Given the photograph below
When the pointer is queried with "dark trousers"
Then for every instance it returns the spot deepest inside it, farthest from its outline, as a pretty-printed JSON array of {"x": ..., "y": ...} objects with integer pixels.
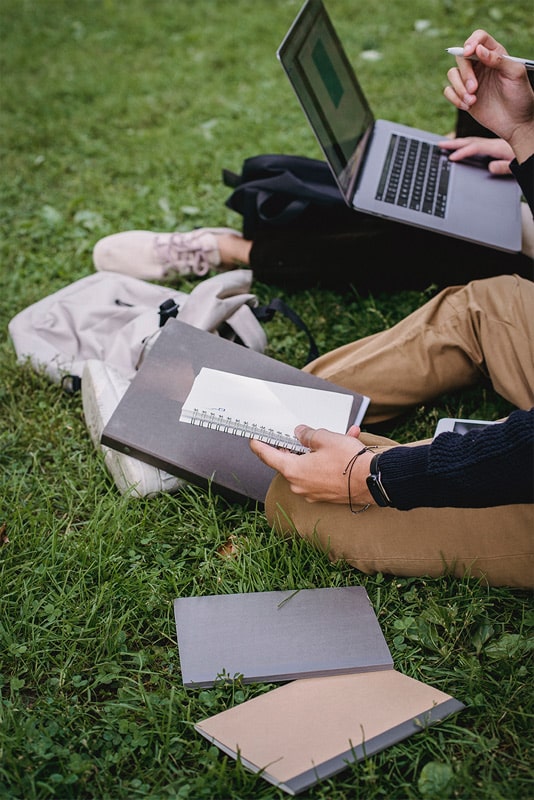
[{"x": 374, "y": 255}]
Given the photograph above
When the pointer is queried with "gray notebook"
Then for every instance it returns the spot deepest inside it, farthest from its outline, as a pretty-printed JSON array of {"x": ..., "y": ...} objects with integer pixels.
[
  {"x": 146, "y": 423},
  {"x": 307, "y": 730},
  {"x": 278, "y": 636}
]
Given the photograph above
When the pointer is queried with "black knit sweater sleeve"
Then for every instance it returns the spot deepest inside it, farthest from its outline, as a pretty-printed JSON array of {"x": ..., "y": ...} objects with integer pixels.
[
  {"x": 489, "y": 467},
  {"x": 524, "y": 175}
]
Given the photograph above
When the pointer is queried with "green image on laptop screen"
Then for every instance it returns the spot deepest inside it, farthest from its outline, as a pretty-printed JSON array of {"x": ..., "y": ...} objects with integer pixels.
[{"x": 328, "y": 74}]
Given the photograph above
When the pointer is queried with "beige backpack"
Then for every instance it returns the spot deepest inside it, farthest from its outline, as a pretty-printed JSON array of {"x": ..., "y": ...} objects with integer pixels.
[{"x": 93, "y": 334}]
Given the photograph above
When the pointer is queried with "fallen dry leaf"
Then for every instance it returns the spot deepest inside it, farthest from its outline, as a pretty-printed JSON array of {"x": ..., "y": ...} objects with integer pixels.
[
  {"x": 3, "y": 535},
  {"x": 229, "y": 549}
]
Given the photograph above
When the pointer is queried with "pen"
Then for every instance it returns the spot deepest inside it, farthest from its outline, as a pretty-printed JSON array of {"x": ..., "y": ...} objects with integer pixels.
[{"x": 459, "y": 51}]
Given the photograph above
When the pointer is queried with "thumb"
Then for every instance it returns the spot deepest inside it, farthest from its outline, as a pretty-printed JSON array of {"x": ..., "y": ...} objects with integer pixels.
[
  {"x": 354, "y": 431},
  {"x": 305, "y": 435},
  {"x": 317, "y": 438}
]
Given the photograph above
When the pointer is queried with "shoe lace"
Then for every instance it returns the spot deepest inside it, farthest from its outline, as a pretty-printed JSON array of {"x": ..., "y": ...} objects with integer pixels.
[{"x": 183, "y": 253}]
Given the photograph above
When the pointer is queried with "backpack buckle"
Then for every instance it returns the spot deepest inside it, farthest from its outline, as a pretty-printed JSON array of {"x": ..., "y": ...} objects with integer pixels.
[{"x": 167, "y": 309}]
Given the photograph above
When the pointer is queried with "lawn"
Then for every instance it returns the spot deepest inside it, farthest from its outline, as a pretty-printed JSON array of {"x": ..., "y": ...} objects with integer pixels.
[{"x": 118, "y": 115}]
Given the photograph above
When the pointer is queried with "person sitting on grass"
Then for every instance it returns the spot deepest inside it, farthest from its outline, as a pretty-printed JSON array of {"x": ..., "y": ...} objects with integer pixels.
[
  {"x": 331, "y": 247},
  {"x": 459, "y": 504}
]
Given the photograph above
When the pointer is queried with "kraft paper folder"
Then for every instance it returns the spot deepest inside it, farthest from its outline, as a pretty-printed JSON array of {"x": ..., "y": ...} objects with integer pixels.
[
  {"x": 311, "y": 729},
  {"x": 346, "y": 701}
]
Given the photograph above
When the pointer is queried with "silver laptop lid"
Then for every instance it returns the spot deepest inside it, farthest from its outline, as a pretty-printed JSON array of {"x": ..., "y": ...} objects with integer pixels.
[{"x": 328, "y": 91}]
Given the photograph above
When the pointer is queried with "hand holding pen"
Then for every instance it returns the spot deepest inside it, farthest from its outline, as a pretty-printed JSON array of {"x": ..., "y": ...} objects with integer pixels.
[
  {"x": 495, "y": 91},
  {"x": 459, "y": 51}
]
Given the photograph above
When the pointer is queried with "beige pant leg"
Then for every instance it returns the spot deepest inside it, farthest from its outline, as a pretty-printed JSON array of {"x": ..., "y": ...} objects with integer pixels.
[
  {"x": 467, "y": 333},
  {"x": 496, "y": 544},
  {"x": 485, "y": 329}
]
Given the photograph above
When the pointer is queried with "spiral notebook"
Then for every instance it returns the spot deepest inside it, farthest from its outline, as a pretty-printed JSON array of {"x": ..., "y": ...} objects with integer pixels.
[
  {"x": 146, "y": 423},
  {"x": 265, "y": 410}
]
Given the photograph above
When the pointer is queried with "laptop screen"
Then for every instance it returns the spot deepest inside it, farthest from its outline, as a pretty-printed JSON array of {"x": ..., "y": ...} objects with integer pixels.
[{"x": 325, "y": 84}]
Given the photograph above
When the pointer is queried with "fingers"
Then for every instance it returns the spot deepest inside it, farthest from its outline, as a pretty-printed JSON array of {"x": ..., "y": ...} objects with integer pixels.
[
  {"x": 488, "y": 51},
  {"x": 305, "y": 435},
  {"x": 452, "y": 144},
  {"x": 469, "y": 153},
  {"x": 489, "y": 47},
  {"x": 460, "y": 148},
  {"x": 315, "y": 438},
  {"x": 462, "y": 87},
  {"x": 319, "y": 475},
  {"x": 272, "y": 456},
  {"x": 278, "y": 458},
  {"x": 467, "y": 146},
  {"x": 463, "y": 78},
  {"x": 453, "y": 98},
  {"x": 499, "y": 167}
]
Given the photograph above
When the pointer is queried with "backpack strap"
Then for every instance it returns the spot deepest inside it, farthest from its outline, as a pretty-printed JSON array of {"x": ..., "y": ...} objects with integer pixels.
[{"x": 266, "y": 313}]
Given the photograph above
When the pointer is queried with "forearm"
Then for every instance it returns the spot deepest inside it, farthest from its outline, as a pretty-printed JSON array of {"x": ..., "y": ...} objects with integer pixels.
[
  {"x": 522, "y": 141},
  {"x": 492, "y": 467},
  {"x": 489, "y": 468}
]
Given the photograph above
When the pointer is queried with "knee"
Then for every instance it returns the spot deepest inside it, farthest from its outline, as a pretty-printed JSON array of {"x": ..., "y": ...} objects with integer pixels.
[{"x": 495, "y": 292}]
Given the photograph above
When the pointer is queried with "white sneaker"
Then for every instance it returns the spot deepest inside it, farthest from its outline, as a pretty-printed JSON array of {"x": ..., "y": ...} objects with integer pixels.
[
  {"x": 152, "y": 256},
  {"x": 102, "y": 388}
]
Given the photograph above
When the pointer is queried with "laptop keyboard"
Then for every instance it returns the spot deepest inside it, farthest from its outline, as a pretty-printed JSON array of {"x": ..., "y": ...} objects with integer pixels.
[{"x": 415, "y": 175}]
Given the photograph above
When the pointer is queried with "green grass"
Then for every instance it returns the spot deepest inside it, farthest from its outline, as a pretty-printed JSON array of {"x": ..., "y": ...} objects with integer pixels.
[{"x": 119, "y": 115}]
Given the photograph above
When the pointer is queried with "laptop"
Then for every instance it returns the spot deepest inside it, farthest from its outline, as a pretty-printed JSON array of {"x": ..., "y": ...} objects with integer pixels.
[{"x": 385, "y": 168}]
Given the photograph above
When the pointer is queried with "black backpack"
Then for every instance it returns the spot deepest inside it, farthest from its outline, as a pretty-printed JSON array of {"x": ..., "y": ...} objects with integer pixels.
[{"x": 280, "y": 190}]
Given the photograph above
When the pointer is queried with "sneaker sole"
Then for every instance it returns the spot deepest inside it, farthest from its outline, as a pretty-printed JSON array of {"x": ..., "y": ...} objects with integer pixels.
[{"x": 102, "y": 389}]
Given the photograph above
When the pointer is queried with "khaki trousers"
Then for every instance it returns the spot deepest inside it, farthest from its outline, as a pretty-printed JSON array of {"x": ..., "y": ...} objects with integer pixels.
[{"x": 463, "y": 335}]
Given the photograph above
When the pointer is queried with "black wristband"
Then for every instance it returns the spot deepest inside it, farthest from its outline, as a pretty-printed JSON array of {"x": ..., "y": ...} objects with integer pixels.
[{"x": 375, "y": 485}]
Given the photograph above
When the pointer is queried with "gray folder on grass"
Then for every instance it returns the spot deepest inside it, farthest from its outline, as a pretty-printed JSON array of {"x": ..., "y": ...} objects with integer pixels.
[{"x": 278, "y": 636}]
